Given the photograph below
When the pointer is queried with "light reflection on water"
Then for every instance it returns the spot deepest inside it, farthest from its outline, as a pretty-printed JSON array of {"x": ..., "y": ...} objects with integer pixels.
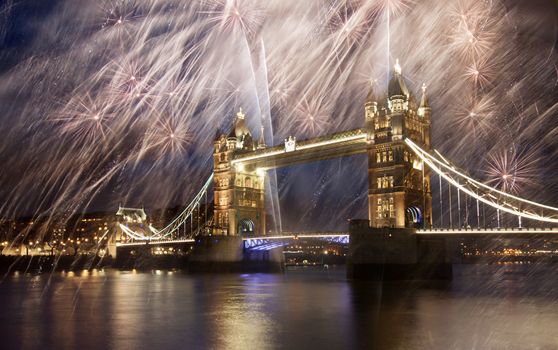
[{"x": 485, "y": 307}]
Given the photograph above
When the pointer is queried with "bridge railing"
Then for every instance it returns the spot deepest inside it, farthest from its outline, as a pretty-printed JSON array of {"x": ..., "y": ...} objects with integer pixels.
[
  {"x": 170, "y": 232},
  {"x": 493, "y": 197}
]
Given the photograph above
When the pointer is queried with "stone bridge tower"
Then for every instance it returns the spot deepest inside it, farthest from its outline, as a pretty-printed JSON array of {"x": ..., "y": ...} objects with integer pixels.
[
  {"x": 399, "y": 193},
  {"x": 238, "y": 190}
]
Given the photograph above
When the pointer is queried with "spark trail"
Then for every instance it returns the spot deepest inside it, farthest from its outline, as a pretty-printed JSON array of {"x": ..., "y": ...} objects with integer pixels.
[{"x": 132, "y": 92}]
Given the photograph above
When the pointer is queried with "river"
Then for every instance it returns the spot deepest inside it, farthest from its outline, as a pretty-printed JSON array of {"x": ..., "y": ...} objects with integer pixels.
[{"x": 484, "y": 307}]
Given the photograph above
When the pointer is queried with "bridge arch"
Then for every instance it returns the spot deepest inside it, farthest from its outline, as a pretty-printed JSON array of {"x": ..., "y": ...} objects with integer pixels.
[
  {"x": 414, "y": 216},
  {"x": 246, "y": 226}
]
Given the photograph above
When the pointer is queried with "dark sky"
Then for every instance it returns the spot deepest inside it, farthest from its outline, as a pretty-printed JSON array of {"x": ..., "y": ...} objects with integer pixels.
[{"x": 32, "y": 43}]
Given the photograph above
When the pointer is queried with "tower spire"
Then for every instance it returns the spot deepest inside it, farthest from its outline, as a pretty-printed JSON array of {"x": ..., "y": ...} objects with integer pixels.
[
  {"x": 424, "y": 108},
  {"x": 397, "y": 67},
  {"x": 240, "y": 115},
  {"x": 261, "y": 142},
  {"x": 397, "y": 87},
  {"x": 424, "y": 99}
]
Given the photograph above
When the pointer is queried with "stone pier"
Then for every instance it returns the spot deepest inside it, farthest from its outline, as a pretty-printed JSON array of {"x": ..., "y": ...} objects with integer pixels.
[
  {"x": 395, "y": 254},
  {"x": 227, "y": 254}
]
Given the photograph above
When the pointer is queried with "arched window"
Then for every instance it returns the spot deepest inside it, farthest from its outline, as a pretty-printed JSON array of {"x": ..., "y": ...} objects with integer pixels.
[
  {"x": 246, "y": 226},
  {"x": 248, "y": 182}
]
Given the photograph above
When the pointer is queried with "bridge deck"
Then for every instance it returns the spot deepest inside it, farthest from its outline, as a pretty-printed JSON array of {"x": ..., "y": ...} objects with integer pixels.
[
  {"x": 154, "y": 242},
  {"x": 336, "y": 145},
  {"x": 504, "y": 233},
  {"x": 343, "y": 237}
]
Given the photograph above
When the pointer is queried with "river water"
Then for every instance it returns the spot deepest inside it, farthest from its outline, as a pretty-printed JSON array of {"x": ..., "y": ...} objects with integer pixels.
[{"x": 484, "y": 307}]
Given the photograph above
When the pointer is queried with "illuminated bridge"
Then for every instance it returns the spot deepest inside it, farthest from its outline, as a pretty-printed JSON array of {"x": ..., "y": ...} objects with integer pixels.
[{"x": 401, "y": 164}]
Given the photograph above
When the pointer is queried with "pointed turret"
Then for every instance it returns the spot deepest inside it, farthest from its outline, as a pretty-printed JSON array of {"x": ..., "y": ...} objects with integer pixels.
[
  {"x": 424, "y": 99},
  {"x": 424, "y": 108},
  {"x": 371, "y": 97},
  {"x": 398, "y": 94},
  {"x": 261, "y": 142},
  {"x": 240, "y": 127},
  {"x": 371, "y": 104},
  {"x": 397, "y": 86}
]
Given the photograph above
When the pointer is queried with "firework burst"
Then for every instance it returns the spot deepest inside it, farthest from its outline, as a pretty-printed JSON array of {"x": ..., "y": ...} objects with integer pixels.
[
  {"x": 167, "y": 139},
  {"x": 245, "y": 16},
  {"x": 85, "y": 120},
  {"x": 347, "y": 24},
  {"x": 184, "y": 66},
  {"x": 393, "y": 7},
  {"x": 481, "y": 73},
  {"x": 475, "y": 31},
  {"x": 119, "y": 17},
  {"x": 476, "y": 117},
  {"x": 312, "y": 116},
  {"x": 512, "y": 170}
]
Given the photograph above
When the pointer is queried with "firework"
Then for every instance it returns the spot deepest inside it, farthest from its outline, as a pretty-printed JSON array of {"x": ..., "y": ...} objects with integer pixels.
[
  {"x": 481, "y": 74},
  {"x": 512, "y": 170},
  {"x": 168, "y": 138},
  {"x": 119, "y": 17},
  {"x": 235, "y": 15},
  {"x": 347, "y": 24},
  {"x": 156, "y": 80},
  {"x": 312, "y": 116},
  {"x": 84, "y": 120}
]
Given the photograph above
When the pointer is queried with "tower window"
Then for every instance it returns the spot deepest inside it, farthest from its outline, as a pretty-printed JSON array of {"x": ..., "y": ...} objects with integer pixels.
[{"x": 385, "y": 182}]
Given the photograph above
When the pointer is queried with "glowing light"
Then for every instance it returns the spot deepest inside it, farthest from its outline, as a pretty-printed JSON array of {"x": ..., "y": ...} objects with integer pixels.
[
  {"x": 506, "y": 207},
  {"x": 496, "y": 231},
  {"x": 397, "y": 67},
  {"x": 359, "y": 136},
  {"x": 511, "y": 170},
  {"x": 235, "y": 15},
  {"x": 198, "y": 61},
  {"x": 312, "y": 116}
]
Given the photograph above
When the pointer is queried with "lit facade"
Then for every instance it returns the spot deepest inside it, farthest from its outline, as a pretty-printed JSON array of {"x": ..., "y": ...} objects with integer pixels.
[
  {"x": 238, "y": 188},
  {"x": 399, "y": 192}
]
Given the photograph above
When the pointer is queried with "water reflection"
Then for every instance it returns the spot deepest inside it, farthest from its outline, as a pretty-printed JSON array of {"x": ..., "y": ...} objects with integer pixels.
[{"x": 492, "y": 307}]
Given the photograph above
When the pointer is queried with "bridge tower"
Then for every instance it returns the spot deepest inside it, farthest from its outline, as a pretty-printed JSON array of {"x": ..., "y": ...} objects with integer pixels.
[
  {"x": 399, "y": 192},
  {"x": 238, "y": 189}
]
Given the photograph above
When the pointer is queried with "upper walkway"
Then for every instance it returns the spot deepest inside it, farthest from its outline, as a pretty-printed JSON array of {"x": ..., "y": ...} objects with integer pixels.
[{"x": 293, "y": 152}]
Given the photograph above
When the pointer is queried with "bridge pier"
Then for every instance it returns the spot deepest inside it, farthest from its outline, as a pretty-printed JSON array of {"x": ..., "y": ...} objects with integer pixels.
[
  {"x": 227, "y": 254},
  {"x": 395, "y": 254}
]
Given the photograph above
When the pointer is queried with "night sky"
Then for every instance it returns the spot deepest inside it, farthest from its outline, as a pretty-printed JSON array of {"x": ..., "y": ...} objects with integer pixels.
[{"x": 65, "y": 60}]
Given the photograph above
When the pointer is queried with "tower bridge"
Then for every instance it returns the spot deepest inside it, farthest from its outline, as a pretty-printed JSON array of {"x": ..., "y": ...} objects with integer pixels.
[
  {"x": 398, "y": 183},
  {"x": 336, "y": 145},
  {"x": 396, "y": 139}
]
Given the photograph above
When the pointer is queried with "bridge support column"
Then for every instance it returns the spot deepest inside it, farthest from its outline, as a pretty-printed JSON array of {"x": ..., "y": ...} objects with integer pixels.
[
  {"x": 220, "y": 253},
  {"x": 395, "y": 254},
  {"x": 111, "y": 245}
]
